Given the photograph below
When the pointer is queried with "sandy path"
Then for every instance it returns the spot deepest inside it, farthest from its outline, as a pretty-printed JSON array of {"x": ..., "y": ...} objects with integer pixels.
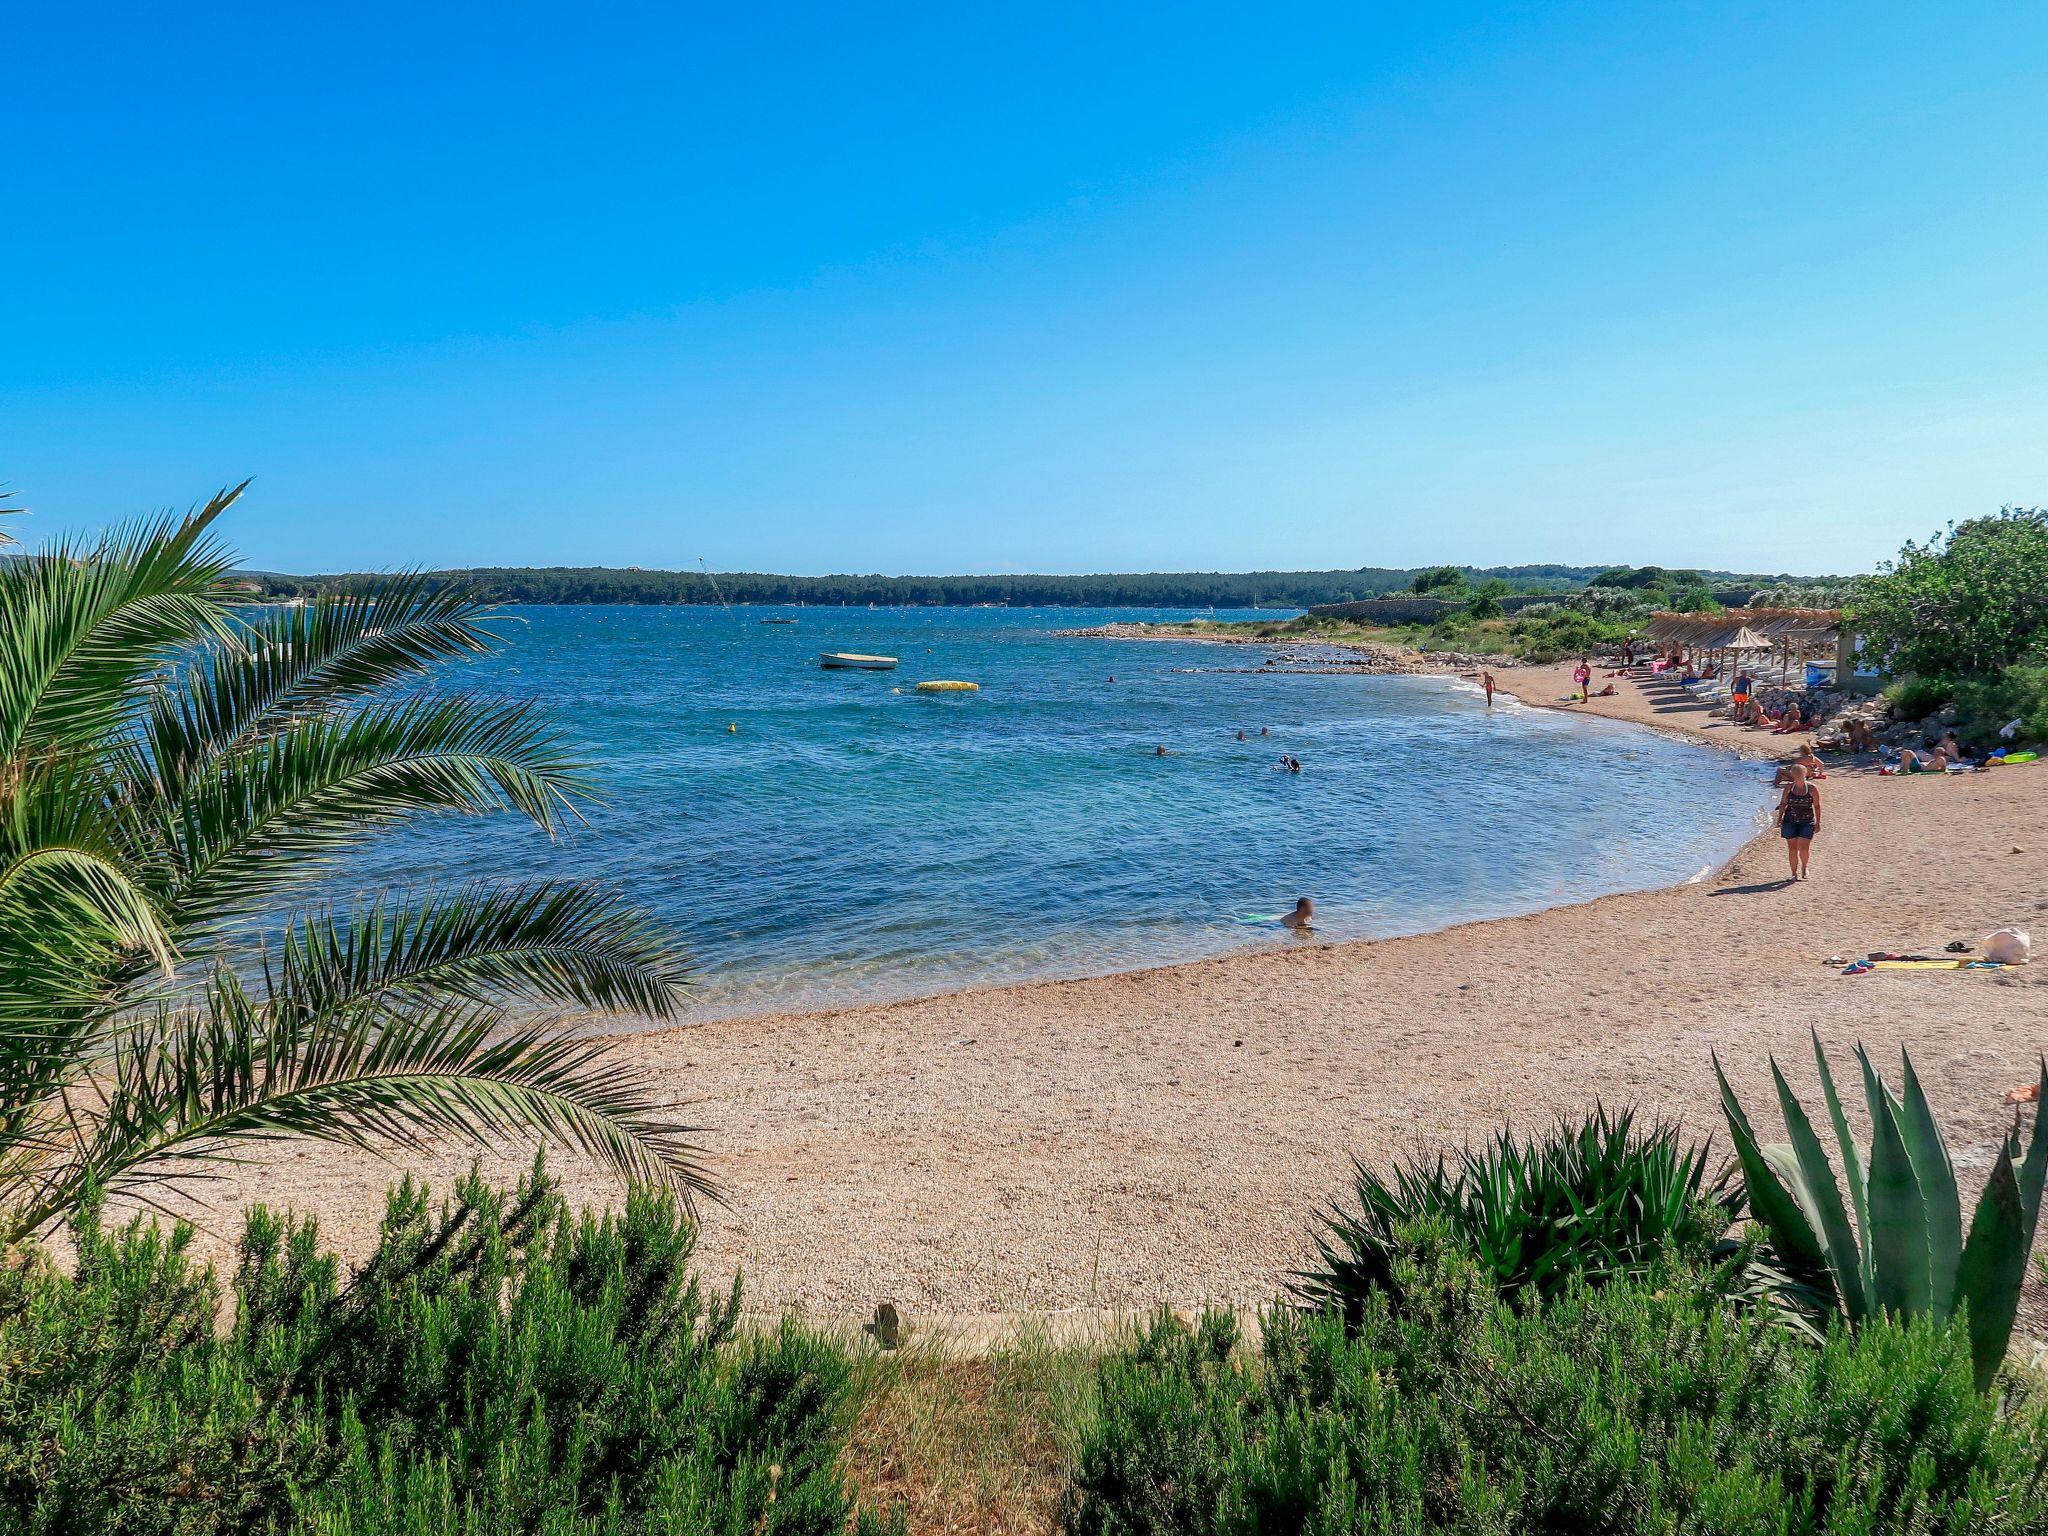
[{"x": 1160, "y": 1135}]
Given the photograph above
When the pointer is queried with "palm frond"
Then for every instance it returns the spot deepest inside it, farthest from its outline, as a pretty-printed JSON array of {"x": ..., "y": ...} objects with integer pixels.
[
  {"x": 80, "y": 628},
  {"x": 194, "y": 1086},
  {"x": 281, "y": 807},
  {"x": 309, "y": 657},
  {"x": 553, "y": 942}
]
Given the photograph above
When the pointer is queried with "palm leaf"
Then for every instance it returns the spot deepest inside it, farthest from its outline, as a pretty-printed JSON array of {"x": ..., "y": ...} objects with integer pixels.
[
  {"x": 279, "y": 808},
  {"x": 81, "y": 629},
  {"x": 193, "y": 1087},
  {"x": 309, "y": 657},
  {"x": 567, "y": 944}
]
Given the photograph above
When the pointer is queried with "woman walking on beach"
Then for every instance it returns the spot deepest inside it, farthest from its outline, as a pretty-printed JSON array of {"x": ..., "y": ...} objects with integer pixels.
[{"x": 1798, "y": 818}]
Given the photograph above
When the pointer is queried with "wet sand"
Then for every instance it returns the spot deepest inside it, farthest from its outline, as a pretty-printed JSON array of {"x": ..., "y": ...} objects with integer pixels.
[{"x": 1160, "y": 1136}]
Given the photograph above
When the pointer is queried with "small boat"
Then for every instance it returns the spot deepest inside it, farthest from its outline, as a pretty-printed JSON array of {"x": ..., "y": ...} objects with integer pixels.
[
  {"x": 778, "y": 621},
  {"x": 855, "y": 659},
  {"x": 948, "y": 685}
]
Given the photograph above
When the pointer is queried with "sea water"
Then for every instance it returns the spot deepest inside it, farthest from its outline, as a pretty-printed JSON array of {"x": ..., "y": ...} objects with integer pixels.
[{"x": 821, "y": 837}]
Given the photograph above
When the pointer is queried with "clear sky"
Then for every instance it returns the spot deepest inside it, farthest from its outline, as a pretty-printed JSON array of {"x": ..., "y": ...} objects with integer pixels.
[{"x": 1028, "y": 288}]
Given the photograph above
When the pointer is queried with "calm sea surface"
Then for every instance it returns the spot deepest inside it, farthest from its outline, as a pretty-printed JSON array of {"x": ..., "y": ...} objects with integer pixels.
[{"x": 852, "y": 841}]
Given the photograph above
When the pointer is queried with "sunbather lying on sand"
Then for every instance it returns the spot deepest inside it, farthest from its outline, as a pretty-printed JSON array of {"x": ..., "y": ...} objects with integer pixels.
[{"x": 1919, "y": 762}]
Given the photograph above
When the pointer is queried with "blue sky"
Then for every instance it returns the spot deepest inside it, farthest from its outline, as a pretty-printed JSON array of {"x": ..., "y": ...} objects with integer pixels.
[{"x": 1045, "y": 288}]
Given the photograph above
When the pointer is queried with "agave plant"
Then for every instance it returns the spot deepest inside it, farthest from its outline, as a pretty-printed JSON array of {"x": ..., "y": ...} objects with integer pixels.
[
  {"x": 1905, "y": 1253},
  {"x": 173, "y": 759},
  {"x": 1586, "y": 1201}
]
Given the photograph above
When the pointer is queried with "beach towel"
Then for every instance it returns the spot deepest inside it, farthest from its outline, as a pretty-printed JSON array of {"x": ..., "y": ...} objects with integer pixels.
[{"x": 1863, "y": 967}]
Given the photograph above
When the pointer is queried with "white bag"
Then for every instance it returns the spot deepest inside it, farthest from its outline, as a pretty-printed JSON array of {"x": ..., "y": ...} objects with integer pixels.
[{"x": 2007, "y": 944}]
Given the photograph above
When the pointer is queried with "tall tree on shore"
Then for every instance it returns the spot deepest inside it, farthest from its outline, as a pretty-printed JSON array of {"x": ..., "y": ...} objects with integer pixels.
[{"x": 173, "y": 759}]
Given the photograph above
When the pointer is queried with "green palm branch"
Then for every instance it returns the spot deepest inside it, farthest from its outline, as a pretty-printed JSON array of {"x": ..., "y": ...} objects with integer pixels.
[{"x": 172, "y": 760}]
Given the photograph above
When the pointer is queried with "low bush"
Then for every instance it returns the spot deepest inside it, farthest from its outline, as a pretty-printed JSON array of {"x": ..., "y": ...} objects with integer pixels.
[
  {"x": 1914, "y": 697},
  {"x": 1552, "y": 637},
  {"x": 2019, "y": 693},
  {"x": 497, "y": 1366},
  {"x": 1647, "y": 1405},
  {"x": 1591, "y": 1201}
]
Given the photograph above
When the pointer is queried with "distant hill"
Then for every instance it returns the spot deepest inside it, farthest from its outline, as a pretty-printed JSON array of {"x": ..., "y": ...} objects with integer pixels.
[{"x": 1186, "y": 589}]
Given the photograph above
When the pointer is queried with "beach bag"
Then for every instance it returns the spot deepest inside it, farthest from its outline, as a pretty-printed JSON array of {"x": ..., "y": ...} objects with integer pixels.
[{"x": 2008, "y": 946}]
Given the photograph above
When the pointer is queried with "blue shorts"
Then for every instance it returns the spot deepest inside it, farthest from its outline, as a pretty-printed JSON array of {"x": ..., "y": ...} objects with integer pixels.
[{"x": 1794, "y": 829}]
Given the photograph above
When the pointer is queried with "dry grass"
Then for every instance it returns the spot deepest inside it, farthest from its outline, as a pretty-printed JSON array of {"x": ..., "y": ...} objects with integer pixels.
[{"x": 979, "y": 1445}]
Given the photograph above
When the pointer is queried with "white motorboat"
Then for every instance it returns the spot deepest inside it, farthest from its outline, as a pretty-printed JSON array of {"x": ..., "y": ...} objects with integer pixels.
[{"x": 855, "y": 659}]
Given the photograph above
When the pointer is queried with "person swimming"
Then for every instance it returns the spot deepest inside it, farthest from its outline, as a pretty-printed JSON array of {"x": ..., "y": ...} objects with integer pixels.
[{"x": 1303, "y": 918}]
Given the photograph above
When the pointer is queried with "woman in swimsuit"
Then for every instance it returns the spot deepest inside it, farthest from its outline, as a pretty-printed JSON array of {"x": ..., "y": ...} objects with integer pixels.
[{"x": 1798, "y": 819}]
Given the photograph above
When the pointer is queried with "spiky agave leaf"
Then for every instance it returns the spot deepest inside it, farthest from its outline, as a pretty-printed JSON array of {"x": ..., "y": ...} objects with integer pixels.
[
  {"x": 1852, "y": 1167},
  {"x": 1811, "y": 1181},
  {"x": 1937, "y": 1180},
  {"x": 1993, "y": 1264},
  {"x": 1898, "y": 1206},
  {"x": 1773, "y": 1204}
]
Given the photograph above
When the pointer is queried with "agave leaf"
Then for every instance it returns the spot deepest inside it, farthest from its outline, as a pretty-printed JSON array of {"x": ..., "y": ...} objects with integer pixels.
[
  {"x": 1898, "y": 1210},
  {"x": 1769, "y": 1200},
  {"x": 1938, "y": 1187},
  {"x": 1812, "y": 1182},
  {"x": 1852, "y": 1164},
  {"x": 2035, "y": 1167},
  {"x": 1993, "y": 1264}
]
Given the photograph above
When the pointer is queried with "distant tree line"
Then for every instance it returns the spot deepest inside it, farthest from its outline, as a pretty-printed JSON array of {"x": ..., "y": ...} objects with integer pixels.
[{"x": 1188, "y": 589}]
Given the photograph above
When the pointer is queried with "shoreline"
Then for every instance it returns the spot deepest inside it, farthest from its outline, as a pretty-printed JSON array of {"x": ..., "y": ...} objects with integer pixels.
[{"x": 1099, "y": 1146}]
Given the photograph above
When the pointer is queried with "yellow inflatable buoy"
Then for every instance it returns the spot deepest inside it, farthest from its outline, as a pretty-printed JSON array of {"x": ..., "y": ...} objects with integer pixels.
[
  {"x": 943, "y": 685},
  {"x": 734, "y": 728}
]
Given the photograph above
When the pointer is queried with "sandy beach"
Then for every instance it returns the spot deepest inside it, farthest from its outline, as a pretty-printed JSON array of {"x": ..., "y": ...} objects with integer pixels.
[{"x": 1161, "y": 1135}]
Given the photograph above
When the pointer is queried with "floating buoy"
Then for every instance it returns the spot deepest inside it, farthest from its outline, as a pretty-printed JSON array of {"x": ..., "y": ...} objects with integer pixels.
[
  {"x": 946, "y": 685},
  {"x": 734, "y": 728}
]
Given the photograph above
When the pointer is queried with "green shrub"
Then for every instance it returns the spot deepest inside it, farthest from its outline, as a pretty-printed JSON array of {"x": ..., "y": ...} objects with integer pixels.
[
  {"x": 1965, "y": 604},
  {"x": 497, "y": 1366},
  {"x": 1643, "y": 1406},
  {"x": 1549, "y": 637},
  {"x": 2019, "y": 693},
  {"x": 1591, "y": 1201},
  {"x": 1912, "y": 698}
]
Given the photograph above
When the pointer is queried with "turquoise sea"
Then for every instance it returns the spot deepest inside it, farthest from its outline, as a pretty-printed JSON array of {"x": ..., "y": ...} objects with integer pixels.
[{"x": 852, "y": 839}]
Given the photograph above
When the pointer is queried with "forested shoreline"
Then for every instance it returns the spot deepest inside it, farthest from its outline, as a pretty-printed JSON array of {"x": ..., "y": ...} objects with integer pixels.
[{"x": 1197, "y": 589}]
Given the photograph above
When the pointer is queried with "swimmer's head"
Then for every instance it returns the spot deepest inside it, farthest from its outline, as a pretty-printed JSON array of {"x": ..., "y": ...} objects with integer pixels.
[{"x": 1305, "y": 907}]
